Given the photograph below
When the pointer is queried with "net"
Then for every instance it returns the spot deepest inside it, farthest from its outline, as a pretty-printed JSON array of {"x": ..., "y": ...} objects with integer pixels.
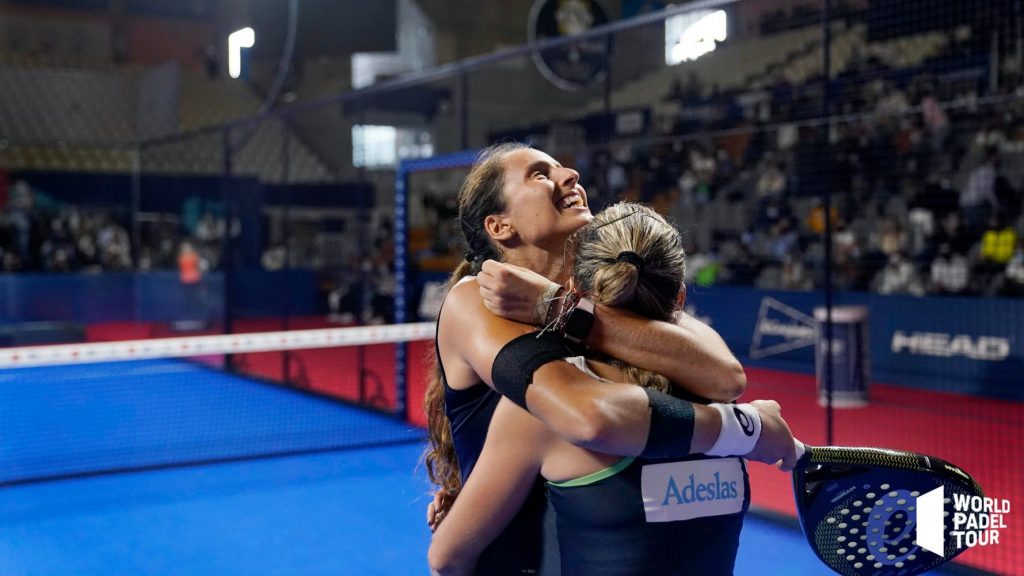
[{"x": 83, "y": 409}]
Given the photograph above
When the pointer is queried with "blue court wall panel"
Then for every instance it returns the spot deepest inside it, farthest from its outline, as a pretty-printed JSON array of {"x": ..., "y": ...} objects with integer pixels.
[{"x": 150, "y": 296}]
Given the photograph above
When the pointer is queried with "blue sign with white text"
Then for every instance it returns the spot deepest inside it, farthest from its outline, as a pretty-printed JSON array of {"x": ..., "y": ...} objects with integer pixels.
[{"x": 962, "y": 345}]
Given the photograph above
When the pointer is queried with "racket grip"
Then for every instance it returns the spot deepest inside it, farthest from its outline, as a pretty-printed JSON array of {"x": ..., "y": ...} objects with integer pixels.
[{"x": 800, "y": 448}]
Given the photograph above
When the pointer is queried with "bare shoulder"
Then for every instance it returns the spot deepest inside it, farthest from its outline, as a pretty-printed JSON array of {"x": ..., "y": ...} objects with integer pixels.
[
  {"x": 464, "y": 295},
  {"x": 462, "y": 309},
  {"x": 465, "y": 315},
  {"x": 455, "y": 324},
  {"x": 469, "y": 336}
]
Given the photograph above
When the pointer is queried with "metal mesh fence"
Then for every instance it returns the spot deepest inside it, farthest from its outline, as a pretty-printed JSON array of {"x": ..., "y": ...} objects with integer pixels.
[{"x": 862, "y": 157}]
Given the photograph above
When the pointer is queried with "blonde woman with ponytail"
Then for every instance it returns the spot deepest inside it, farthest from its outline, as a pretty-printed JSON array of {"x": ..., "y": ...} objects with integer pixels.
[{"x": 518, "y": 209}]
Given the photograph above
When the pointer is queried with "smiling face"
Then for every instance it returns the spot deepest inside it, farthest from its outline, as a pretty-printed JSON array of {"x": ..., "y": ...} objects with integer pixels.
[{"x": 544, "y": 202}]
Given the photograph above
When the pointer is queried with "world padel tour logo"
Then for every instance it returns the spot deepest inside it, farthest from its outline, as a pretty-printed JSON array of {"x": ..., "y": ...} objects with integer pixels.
[{"x": 977, "y": 520}]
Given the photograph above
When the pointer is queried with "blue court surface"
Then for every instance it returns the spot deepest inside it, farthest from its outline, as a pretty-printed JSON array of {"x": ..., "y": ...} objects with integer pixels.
[
  {"x": 65, "y": 420},
  {"x": 351, "y": 512},
  {"x": 319, "y": 510}
]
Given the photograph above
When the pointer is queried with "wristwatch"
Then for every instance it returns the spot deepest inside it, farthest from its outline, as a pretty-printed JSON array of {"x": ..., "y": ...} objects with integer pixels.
[{"x": 579, "y": 321}]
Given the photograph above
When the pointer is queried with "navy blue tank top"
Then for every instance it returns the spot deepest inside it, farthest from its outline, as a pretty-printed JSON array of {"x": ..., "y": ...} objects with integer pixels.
[
  {"x": 469, "y": 413},
  {"x": 528, "y": 545}
]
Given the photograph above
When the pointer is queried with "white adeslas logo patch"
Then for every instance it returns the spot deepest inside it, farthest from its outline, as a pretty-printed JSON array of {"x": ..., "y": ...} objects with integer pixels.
[{"x": 693, "y": 489}]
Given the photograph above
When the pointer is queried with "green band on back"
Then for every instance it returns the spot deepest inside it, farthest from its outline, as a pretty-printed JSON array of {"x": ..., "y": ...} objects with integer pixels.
[{"x": 596, "y": 476}]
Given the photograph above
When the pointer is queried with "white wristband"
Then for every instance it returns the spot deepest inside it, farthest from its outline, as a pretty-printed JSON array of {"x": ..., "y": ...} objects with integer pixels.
[{"x": 741, "y": 428}]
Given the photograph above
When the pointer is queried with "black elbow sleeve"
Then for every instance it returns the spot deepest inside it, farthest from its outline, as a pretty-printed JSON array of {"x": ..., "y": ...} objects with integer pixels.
[
  {"x": 513, "y": 368},
  {"x": 672, "y": 423}
]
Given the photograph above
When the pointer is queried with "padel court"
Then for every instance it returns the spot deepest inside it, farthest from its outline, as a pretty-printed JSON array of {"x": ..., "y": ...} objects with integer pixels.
[{"x": 231, "y": 473}]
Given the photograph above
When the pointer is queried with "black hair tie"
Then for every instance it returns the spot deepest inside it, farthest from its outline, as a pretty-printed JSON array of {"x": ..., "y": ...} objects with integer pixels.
[{"x": 631, "y": 258}]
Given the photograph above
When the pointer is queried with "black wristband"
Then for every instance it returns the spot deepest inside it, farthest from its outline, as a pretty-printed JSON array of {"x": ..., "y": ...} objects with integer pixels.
[
  {"x": 513, "y": 367},
  {"x": 672, "y": 422}
]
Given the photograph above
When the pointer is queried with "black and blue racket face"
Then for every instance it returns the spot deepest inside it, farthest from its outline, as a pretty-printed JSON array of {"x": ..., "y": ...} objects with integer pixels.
[{"x": 858, "y": 508}]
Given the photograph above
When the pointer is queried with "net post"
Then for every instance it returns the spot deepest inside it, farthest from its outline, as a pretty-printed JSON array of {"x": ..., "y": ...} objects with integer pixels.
[
  {"x": 826, "y": 198},
  {"x": 405, "y": 168},
  {"x": 225, "y": 258},
  {"x": 401, "y": 287}
]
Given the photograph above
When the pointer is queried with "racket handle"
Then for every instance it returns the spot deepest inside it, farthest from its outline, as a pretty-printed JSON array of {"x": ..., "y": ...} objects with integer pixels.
[{"x": 800, "y": 448}]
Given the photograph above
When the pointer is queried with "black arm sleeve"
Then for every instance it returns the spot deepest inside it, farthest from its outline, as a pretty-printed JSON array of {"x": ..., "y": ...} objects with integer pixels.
[
  {"x": 513, "y": 368},
  {"x": 672, "y": 422}
]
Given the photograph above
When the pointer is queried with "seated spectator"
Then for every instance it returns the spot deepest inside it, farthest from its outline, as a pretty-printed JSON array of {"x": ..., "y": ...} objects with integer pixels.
[
  {"x": 794, "y": 275},
  {"x": 1013, "y": 277},
  {"x": 816, "y": 217},
  {"x": 952, "y": 232},
  {"x": 936, "y": 121},
  {"x": 978, "y": 198},
  {"x": 845, "y": 242},
  {"x": 771, "y": 182},
  {"x": 18, "y": 219},
  {"x": 922, "y": 226},
  {"x": 937, "y": 195},
  {"x": 997, "y": 242},
  {"x": 1007, "y": 198},
  {"x": 782, "y": 239},
  {"x": 899, "y": 277},
  {"x": 950, "y": 272},
  {"x": 988, "y": 138},
  {"x": 769, "y": 212},
  {"x": 891, "y": 239}
]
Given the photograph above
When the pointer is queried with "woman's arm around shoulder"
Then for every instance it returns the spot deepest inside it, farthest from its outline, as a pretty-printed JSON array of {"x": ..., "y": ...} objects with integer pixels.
[{"x": 608, "y": 417}]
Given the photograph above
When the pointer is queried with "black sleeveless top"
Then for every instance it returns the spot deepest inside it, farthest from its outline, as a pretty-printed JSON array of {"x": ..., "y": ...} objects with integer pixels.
[
  {"x": 640, "y": 517},
  {"x": 528, "y": 545},
  {"x": 469, "y": 413}
]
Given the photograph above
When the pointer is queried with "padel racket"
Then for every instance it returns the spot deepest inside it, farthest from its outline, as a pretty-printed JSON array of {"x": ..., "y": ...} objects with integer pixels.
[{"x": 858, "y": 508}]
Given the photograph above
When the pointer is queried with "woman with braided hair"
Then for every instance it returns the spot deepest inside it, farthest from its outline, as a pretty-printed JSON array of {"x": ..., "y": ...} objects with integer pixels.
[{"x": 520, "y": 206}]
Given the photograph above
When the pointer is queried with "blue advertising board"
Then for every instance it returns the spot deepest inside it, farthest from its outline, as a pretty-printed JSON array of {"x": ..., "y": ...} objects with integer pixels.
[{"x": 963, "y": 345}]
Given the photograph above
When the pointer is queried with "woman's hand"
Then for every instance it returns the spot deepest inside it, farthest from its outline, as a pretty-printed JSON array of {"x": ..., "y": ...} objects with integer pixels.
[
  {"x": 438, "y": 508},
  {"x": 776, "y": 444},
  {"x": 511, "y": 292}
]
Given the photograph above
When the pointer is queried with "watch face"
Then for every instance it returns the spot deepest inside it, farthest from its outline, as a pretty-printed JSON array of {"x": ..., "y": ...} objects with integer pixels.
[{"x": 578, "y": 324}]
